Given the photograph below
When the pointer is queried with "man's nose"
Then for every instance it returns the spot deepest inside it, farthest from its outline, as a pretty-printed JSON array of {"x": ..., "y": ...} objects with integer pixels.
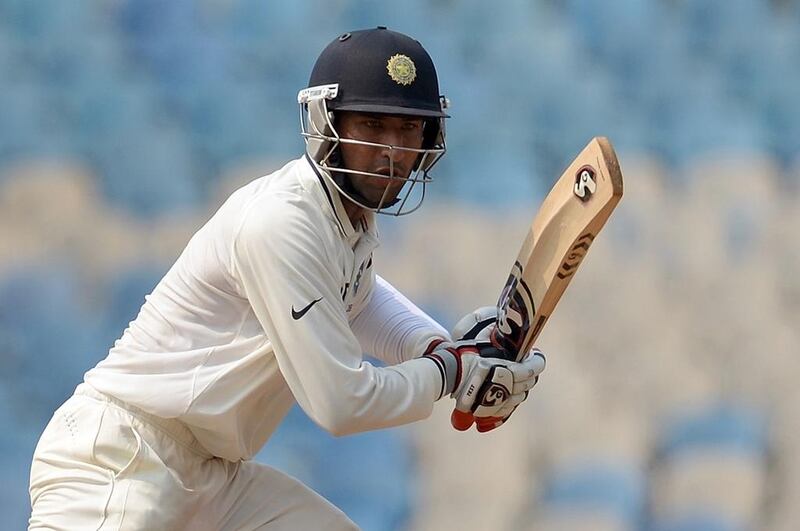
[{"x": 388, "y": 140}]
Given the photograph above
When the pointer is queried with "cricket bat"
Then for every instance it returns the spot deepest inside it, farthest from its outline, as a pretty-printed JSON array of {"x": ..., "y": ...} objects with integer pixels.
[{"x": 577, "y": 207}]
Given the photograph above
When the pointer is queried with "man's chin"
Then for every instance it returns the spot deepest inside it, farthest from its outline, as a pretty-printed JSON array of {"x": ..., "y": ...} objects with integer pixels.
[
  {"x": 374, "y": 196},
  {"x": 381, "y": 202},
  {"x": 370, "y": 197}
]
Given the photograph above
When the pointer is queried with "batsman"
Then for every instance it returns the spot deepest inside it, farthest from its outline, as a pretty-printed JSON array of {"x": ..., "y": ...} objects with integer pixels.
[{"x": 273, "y": 302}]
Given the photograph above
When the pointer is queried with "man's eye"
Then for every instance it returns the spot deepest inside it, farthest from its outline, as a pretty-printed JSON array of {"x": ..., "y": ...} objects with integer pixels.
[{"x": 372, "y": 124}]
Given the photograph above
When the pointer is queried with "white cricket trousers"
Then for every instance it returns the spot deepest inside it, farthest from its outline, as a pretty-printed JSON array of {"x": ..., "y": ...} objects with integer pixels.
[{"x": 101, "y": 464}]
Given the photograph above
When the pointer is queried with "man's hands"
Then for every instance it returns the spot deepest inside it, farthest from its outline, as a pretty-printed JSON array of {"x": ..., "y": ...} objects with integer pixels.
[
  {"x": 493, "y": 389},
  {"x": 486, "y": 387}
]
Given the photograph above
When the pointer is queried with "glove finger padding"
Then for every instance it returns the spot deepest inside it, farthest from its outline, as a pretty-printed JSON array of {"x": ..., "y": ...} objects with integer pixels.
[
  {"x": 484, "y": 424},
  {"x": 530, "y": 367},
  {"x": 505, "y": 411},
  {"x": 527, "y": 372},
  {"x": 489, "y": 423},
  {"x": 476, "y": 325},
  {"x": 525, "y": 386}
]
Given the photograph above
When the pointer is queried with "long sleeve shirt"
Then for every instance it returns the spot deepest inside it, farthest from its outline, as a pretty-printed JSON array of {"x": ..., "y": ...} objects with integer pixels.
[{"x": 275, "y": 300}]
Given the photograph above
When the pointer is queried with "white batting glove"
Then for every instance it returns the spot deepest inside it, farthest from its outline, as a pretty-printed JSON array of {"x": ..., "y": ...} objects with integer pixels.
[{"x": 478, "y": 326}]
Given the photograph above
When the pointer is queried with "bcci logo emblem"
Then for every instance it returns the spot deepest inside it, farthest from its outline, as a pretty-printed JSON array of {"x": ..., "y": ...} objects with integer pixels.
[{"x": 401, "y": 69}]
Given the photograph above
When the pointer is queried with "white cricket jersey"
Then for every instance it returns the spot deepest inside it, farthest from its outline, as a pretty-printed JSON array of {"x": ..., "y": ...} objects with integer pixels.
[{"x": 274, "y": 300}]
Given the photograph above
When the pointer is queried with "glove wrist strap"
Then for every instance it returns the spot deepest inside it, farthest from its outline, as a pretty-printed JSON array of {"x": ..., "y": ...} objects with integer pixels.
[{"x": 449, "y": 366}]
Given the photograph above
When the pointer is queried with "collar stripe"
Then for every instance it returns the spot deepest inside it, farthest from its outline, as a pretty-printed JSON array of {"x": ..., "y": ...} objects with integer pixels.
[{"x": 327, "y": 193}]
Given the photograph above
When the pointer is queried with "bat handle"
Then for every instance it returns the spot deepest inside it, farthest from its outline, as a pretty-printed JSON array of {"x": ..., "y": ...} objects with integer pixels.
[{"x": 506, "y": 347}]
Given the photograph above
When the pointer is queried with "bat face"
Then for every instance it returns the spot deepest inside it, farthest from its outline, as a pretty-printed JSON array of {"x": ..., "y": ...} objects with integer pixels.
[{"x": 567, "y": 223}]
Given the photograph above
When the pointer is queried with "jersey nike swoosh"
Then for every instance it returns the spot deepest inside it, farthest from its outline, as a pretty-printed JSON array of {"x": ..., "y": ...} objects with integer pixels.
[{"x": 297, "y": 315}]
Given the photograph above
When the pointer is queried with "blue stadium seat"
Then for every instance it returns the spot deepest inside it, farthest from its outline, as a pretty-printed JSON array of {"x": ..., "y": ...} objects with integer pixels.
[
  {"x": 232, "y": 122},
  {"x": 488, "y": 170},
  {"x": 632, "y": 21},
  {"x": 106, "y": 110},
  {"x": 151, "y": 173},
  {"x": 140, "y": 153},
  {"x": 258, "y": 35},
  {"x": 126, "y": 293},
  {"x": 176, "y": 43},
  {"x": 50, "y": 336},
  {"x": 29, "y": 123},
  {"x": 367, "y": 475},
  {"x": 412, "y": 18},
  {"x": 17, "y": 441},
  {"x": 254, "y": 21},
  {"x": 23, "y": 112},
  {"x": 59, "y": 43},
  {"x": 610, "y": 490},
  {"x": 772, "y": 85},
  {"x": 700, "y": 521},
  {"x": 713, "y": 26},
  {"x": 723, "y": 426},
  {"x": 710, "y": 462},
  {"x": 297, "y": 447},
  {"x": 9, "y": 58},
  {"x": 143, "y": 21},
  {"x": 90, "y": 59},
  {"x": 51, "y": 20}
]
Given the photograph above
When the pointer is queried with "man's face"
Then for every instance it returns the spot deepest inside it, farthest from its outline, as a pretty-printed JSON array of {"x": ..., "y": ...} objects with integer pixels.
[{"x": 401, "y": 131}]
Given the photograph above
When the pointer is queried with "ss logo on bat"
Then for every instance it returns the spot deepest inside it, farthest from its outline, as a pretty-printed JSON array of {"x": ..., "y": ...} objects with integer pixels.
[{"x": 585, "y": 184}]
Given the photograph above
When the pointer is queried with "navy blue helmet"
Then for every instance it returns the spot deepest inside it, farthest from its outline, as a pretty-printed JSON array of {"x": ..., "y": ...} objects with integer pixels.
[{"x": 377, "y": 71}]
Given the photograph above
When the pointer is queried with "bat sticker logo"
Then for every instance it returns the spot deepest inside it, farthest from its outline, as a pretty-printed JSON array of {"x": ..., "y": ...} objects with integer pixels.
[
  {"x": 575, "y": 255},
  {"x": 515, "y": 310},
  {"x": 585, "y": 183}
]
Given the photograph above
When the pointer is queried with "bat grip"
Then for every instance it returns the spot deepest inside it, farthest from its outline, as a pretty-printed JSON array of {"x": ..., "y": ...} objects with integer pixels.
[{"x": 506, "y": 347}]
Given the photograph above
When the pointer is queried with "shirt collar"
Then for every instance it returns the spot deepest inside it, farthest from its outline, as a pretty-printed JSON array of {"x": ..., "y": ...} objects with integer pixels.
[{"x": 330, "y": 195}]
